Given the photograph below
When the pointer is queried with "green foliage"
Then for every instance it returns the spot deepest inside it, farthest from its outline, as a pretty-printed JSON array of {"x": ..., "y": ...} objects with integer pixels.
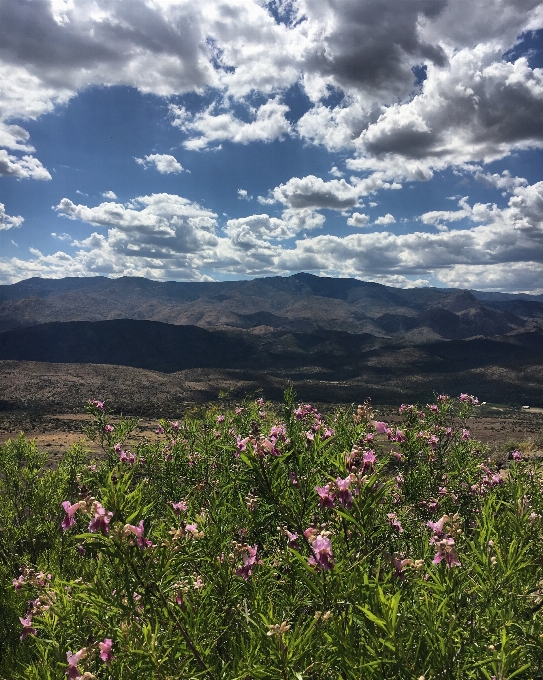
[{"x": 245, "y": 544}]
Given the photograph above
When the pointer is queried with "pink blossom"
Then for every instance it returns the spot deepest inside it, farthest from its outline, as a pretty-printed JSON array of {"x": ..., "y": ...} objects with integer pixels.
[
  {"x": 73, "y": 671},
  {"x": 437, "y": 527},
  {"x": 27, "y": 626},
  {"x": 380, "y": 426},
  {"x": 260, "y": 402},
  {"x": 467, "y": 398},
  {"x": 249, "y": 560},
  {"x": 160, "y": 430},
  {"x": 322, "y": 557},
  {"x": 70, "y": 510},
  {"x": 399, "y": 566},
  {"x": 394, "y": 521},
  {"x": 19, "y": 582},
  {"x": 326, "y": 497},
  {"x": 433, "y": 441},
  {"x": 241, "y": 444},
  {"x": 344, "y": 495},
  {"x": 220, "y": 419},
  {"x": 434, "y": 408},
  {"x": 369, "y": 458},
  {"x": 447, "y": 551},
  {"x": 101, "y": 519},
  {"x": 138, "y": 533},
  {"x": 105, "y": 650},
  {"x": 369, "y": 438},
  {"x": 465, "y": 434},
  {"x": 98, "y": 404},
  {"x": 191, "y": 528},
  {"x": 238, "y": 411},
  {"x": 292, "y": 478},
  {"x": 180, "y": 507},
  {"x": 108, "y": 428},
  {"x": 292, "y": 539},
  {"x": 516, "y": 455}
]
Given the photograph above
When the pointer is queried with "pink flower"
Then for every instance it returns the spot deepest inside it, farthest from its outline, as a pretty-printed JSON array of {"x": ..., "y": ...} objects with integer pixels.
[
  {"x": 260, "y": 402},
  {"x": 249, "y": 560},
  {"x": 98, "y": 404},
  {"x": 73, "y": 671},
  {"x": 368, "y": 458},
  {"x": 322, "y": 557},
  {"x": 328, "y": 432},
  {"x": 108, "y": 428},
  {"x": 70, "y": 510},
  {"x": 105, "y": 650},
  {"x": 399, "y": 566},
  {"x": 394, "y": 521},
  {"x": 220, "y": 419},
  {"x": 292, "y": 540},
  {"x": 380, "y": 427},
  {"x": 437, "y": 528},
  {"x": 27, "y": 626},
  {"x": 241, "y": 444},
  {"x": 101, "y": 519},
  {"x": 160, "y": 430},
  {"x": 344, "y": 495},
  {"x": 465, "y": 434},
  {"x": 138, "y": 533},
  {"x": 326, "y": 497},
  {"x": 447, "y": 551},
  {"x": 433, "y": 441},
  {"x": 19, "y": 582},
  {"x": 191, "y": 528},
  {"x": 180, "y": 507},
  {"x": 516, "y": 455},
  {"x": 467, "y": 398}
]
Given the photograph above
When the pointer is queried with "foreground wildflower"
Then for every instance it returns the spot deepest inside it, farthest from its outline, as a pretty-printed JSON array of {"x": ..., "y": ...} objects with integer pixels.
[
  {"x": 28, "y": 629},
  {"x": 70, "y": 510},
  {"x": 105, "y": 650},
  {"x": 447, "y": 551},
  {"x": 248, "y": 557},
  {"x": 322, "y": 557},
  {"x": 73, "y": 671}
]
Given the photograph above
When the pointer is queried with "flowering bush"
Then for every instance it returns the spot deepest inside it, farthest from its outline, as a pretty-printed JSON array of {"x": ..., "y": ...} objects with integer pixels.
[{"x": 248, "y": 544}]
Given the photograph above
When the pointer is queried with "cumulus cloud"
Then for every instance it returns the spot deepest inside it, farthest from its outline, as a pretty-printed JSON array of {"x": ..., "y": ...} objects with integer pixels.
[
  {"x": 106, "y": 194},
  {"x": 7, "y": 221},
  {"x": 243, "y": 195},
  {"x": 385, "y": 219},
  {"x": 167, "y": 236},
  {"x": 480, "y": 108},
  {"x": 358, "y": 220},
  {"x": 207, "y": 128},
  {"x": 162, "y": 162},
  {"x": 26, "y": 167},
  {"x": 61, "y": 237},
  {"x": 314, "y": 192}
]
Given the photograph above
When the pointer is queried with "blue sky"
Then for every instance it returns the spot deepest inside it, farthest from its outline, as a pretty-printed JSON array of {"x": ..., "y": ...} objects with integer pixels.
[{"x": 397, "y": 141}]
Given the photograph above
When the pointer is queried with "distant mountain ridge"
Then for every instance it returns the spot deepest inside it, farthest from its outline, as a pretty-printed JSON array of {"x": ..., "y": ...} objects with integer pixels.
[{"x": 299, "y": 303}]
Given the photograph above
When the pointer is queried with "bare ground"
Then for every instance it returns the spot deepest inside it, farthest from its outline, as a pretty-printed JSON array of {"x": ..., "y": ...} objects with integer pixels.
[{"x": 46, "y": 401}]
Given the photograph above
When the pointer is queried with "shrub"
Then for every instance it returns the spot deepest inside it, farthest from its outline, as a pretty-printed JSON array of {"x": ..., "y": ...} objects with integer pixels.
[{"x": 248, "y": 544}]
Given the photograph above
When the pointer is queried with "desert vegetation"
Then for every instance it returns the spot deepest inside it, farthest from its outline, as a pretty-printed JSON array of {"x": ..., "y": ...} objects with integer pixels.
[{"x": 257, "y": 542}]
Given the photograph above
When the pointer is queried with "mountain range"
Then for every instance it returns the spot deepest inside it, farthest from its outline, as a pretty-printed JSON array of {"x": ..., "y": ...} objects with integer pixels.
[{"x": 301, "y": 328}]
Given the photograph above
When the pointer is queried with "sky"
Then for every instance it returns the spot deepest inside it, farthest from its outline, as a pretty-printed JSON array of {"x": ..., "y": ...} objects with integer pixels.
[{"x": 396, "y": 141}]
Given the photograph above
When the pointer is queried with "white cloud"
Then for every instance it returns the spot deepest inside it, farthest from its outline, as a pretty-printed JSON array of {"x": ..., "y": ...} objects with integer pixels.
[
  {"x": 106, "y": 194},
  {"x": 164, "y": 163},
  {"x": 385, "y": 219},
  {"x": 358, "y": 220},
  {"x": 7, "y": 221},
  {"x": 243, "y": 195},
  {"x": 207, "y": 128},
  {"x": 61, "y": 237},
  {"x": 166, "y": 236},
  {"x": 26, "y": 167},
  {"x": 314, "y": 192}
]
